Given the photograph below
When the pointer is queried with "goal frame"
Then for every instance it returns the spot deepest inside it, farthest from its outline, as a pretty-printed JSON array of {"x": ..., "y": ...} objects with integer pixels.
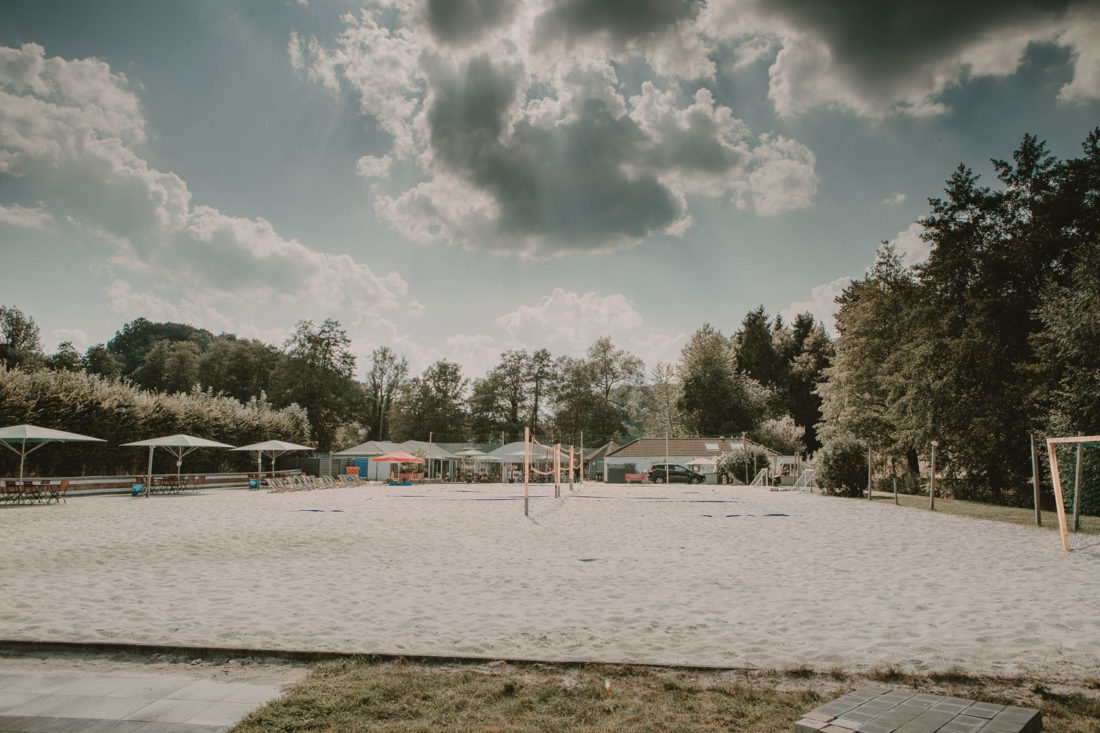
[{"x": 1057, "y": 479}]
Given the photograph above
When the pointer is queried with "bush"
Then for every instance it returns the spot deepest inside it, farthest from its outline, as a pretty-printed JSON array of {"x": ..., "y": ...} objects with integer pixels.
[
  {"x": 733, "y": 465},
  {"x": 842, "y": 467}
]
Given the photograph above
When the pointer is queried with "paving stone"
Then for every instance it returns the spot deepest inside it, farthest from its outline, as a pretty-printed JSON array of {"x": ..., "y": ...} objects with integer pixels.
[
  {"x": 984, "y": 710},
  {"x": 815, "y": 715},
  {"x": 809, "y": 725}
]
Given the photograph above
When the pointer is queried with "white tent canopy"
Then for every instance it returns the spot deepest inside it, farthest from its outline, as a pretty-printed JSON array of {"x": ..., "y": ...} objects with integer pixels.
[
  {"x": 272, "y": 449},
  {"x": 178, "y": 445},
  {"x": 37, "y": 437}
]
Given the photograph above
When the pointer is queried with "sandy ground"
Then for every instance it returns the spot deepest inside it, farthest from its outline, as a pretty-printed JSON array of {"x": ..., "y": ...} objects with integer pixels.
[{"x": 730, "y": 576}]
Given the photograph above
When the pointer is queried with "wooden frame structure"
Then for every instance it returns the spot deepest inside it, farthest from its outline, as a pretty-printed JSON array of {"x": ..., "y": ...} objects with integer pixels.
[{"x": 1055, "y": 476}]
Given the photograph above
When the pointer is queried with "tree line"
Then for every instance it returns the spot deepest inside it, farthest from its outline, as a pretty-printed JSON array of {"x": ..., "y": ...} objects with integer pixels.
[
  {"x": 992, "y": 339},
  {"x": 757, "y": 381}
]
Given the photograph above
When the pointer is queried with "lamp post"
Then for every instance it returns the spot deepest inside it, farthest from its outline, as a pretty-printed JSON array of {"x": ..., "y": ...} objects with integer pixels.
[{"x": 932, "y": 480}]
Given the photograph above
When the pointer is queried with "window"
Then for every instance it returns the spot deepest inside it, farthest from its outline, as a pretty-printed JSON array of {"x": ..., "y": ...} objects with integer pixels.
[{"x": 712, "y": 446}]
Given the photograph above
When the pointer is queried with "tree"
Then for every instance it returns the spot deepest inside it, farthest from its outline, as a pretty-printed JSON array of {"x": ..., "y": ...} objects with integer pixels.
[
  {"x": 19, "y": 338},
  {"x": 387, "y": 373},
  {"x": 842, "y": 466},
  {"x": 170, "y": 366},
  {"x": 613, "y": 372},
  {"x": 98, "y": 360},
  {"x": 540, "y": 379},
  {"x": 865, "y": 379},
  {"x": 781, "y": 434},
  {"x": 661, "y": 415},
  {"x": 240, "y": 368},
  {"x": 433, "y": 402},
  {"x": 806, "y": 369},
  {"x": 575, "y": 400},
  {"x": 134, "y": 340},
  {"x": 500, "y": 402},
  {"x": 754, "y": 347},
  {"x": 317, "y": 376},
  {"x": 716, "y": 399},
  {"x": 66, "y": 358}
]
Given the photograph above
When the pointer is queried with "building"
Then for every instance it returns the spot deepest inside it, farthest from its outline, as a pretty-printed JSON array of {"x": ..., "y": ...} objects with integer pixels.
[{"x": 637, "y": 456}]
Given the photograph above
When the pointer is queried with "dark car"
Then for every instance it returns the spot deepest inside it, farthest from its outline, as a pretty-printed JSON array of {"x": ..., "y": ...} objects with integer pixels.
[{"x": 675, "y": 473}]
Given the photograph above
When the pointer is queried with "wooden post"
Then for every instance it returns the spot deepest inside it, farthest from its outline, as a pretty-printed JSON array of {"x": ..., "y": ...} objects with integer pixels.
[
  {"x": 869, "y": 496},
  {"x": 572, "y": 468},
  {"x": 932, "y": 480},
  {"x": 582, "y": 457},
  {"x": 526, "y": 469},
  {"x": 149, "y": 474},
  {"x": 1077, "y": 489},
  {"x": 1057, "y": 480},
  {"x": 1035, "y": 481},
  {"x": 895, "y": 490},
  {"x": 557, "y": 470}
]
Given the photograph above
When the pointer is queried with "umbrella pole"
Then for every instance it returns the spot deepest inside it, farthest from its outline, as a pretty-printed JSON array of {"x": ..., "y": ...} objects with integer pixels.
[
  {"x": 149, "y": 474},
  {"x": 22, "y": 457}
]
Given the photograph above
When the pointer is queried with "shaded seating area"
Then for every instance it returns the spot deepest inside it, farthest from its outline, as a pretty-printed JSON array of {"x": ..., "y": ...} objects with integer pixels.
[
  {"x": 33, "y": 492},
  {"x": 302, "y": 482},
  {"x": 176, "y": 484}
]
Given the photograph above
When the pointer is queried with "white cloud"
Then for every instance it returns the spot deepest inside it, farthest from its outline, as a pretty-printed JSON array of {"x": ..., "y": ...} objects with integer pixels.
[
  {"x": 821, "y": 304},
  {"x": 76, "y": 336},
  {"x": 416, "y": 309},
  {"x": 73, "y": 128},
  {"x": 910, "y": 247},
  {"x": 524, "y": 133},
  {"x": 23, "y": 217},
  {"x": 897, "y": 198},
  {"x": 569, "y": 322}
]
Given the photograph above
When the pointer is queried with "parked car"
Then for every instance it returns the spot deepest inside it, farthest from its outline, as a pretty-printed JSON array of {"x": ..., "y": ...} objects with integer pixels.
[{"x": 675, "y": 473}]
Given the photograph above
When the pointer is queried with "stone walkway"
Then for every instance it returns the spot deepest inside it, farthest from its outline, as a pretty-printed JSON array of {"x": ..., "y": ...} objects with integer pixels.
[{"x": 63, "y": 697}]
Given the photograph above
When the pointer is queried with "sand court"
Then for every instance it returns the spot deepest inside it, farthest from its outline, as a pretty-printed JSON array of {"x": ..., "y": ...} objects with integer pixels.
[{"x": 730, "y": 576}]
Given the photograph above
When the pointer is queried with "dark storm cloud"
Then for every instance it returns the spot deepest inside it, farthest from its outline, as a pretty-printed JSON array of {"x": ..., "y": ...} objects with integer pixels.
[
  {"x": 880, "y": 41},
  {"x": 458, "y": 22},
  {"x": 568, "y": 182},
  {"x": 621, "y": 20}
]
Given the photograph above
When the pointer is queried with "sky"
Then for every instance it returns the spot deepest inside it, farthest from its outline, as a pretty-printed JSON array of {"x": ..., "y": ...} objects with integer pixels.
[{"x": 454, "y": 178}]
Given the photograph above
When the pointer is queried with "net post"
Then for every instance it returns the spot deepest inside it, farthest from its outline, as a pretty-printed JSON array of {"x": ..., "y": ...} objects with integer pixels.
[
  {"x": 1035, "y": 481},
  {"x": 895, "y": 490},
  {"x": 1077, "y": 489},
  {"x": 557, "y": 470},
  {"x": 571, "y": 468},
  {"x": 932, "y": 480},
  {"x": 526, "y": 469},
  {"x": 1057, "y": 479}
]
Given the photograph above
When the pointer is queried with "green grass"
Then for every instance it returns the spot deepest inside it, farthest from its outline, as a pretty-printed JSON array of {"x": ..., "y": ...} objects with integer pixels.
[
  {"x": 404, "y": 696},
  {"x": 992, "y": 512}
]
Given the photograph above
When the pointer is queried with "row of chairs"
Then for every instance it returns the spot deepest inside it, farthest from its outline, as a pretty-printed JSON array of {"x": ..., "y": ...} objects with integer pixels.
[
  {"x": 302, "y": 482},
  {"x": 33, "y": 492},
  {"x": 175, "y": 484}
]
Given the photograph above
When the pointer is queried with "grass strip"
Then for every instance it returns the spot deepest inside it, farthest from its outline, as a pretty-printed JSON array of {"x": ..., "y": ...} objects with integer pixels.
[{"x": 365, "y": 695}]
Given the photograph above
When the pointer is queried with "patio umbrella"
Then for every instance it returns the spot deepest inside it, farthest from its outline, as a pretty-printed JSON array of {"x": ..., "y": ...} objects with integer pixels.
[
  {"x": 398, "y": 457},
  {"x": 273, "y": 449},
  {"x": 37, "y": 437},
  {"x": 177, "y": 445}
]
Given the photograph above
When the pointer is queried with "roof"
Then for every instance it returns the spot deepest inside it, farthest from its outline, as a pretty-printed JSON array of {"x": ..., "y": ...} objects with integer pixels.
[
  {"x": 371, "y": 448},
  {"x": 603, "y": 450},
  {"x": 648, "y": 447}
]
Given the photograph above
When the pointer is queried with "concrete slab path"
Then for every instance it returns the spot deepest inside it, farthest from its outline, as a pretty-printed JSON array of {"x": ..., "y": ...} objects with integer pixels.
[{"x": 59, "y": 695}]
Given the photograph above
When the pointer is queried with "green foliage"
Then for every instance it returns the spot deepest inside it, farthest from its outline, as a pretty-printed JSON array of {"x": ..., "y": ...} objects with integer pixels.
[
  {"x": 120, "y": 413},
  {"x": 137, "y": 338},
  {"x": 20, "y": 344},
  {"x": 433, "y": 402},
  {"x": 384, "y": 378},
  {"x": 317, "y": 375},
  {"x": 842, "y": 466},
  {"x": 781, "y": 434},
  {"x": 716, "y": 398},
  {"x": 741, "y": 465}
]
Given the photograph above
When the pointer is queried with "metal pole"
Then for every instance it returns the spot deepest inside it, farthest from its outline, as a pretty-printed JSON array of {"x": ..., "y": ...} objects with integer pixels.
[
  {"x": 429, "y": 455},
  {"x": 526, "y": 467},
  {"x": 745, "y": 454},
  {"x": 666, "y": 458},
  {"x": 582, "y": 456},
  {"x": 502, "y": 464},
  {"x": 149, "y": 473},
  {"x": 895, "y": 491},
  {"x": 932, "y": 480},
  {"x": 557, "y": 470},
  {"x": 22, "y": 457},
  {"x": 1035, "y": 481}
]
